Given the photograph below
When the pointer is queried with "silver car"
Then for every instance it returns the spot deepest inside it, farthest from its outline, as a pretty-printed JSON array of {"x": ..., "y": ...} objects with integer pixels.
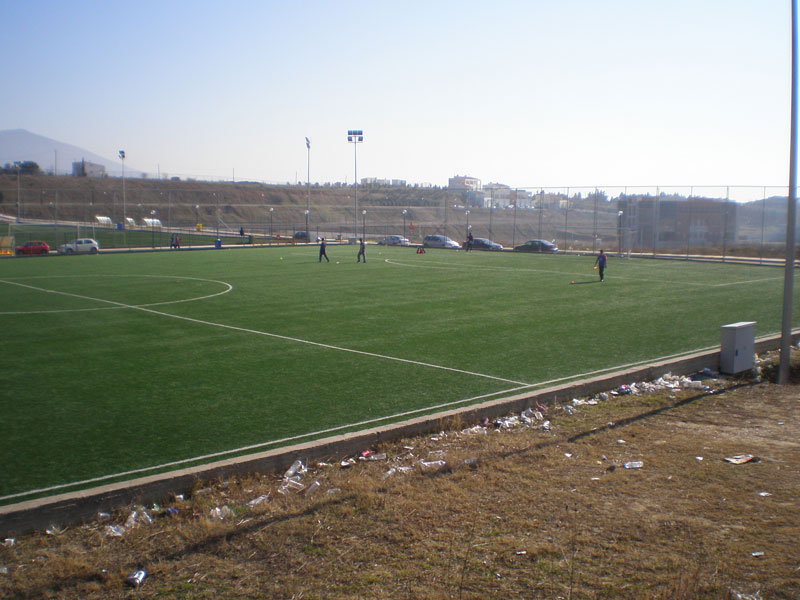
[
  {"x": 394, "y": 240},
  {"x": 82, "y": 246},
  {"x": 440, "y": 241}
]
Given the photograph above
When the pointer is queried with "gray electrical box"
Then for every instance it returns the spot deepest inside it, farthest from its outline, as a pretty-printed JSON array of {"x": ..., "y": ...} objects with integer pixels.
[{"x": 737, "y": 349}]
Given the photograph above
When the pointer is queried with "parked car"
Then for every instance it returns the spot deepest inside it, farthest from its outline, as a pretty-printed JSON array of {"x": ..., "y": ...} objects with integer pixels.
[
  {"x": 33, "y": 247},
  {"x": 537, "y": 246},
  {"x": 83, "y": 246},
  {"x": 439, "y": 241},
  {"x": 484, "y": 244},
  {"x": 301, "y": 236},
  {"x": 394, "y": 240}
]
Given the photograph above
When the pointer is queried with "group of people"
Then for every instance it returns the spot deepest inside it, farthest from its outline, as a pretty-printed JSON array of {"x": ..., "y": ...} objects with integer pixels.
[
  {"x": 599, "y": 263},
  {"x": 324, "y": 254},
  {"x": 175, "y": 241}
]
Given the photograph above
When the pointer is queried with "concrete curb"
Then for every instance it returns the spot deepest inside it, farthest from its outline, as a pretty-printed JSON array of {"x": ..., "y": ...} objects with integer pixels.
[{"x": 75, "y": 507}]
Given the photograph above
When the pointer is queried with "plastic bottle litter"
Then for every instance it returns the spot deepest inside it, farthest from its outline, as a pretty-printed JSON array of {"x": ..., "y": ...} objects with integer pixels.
[
  {"x": 297, "y": 468},
  {"x": 257, "y": 501},
  {"x": 312, "y": 488},
  {"x": 136, "y": 579},
  {"x": 114, "y": 530},
  {"x": 103, "y": 516},
  {"x": 472, "y": 463},
  {"x": 634, "y": 464},
  {"x": 546, "y": 426},
  {"x": 221, "y": 512},
  {"x": 380, "y": 456},
  {"x": 432, "y": 466}
]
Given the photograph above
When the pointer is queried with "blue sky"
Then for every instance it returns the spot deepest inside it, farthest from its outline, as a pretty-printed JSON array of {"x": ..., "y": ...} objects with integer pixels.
[{"x": 534, "y": 93}]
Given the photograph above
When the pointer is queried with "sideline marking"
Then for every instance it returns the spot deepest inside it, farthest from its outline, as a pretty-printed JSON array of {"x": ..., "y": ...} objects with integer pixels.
[
  {"x": 293, "y": 438},
  {"x": 68, "y": 310}
]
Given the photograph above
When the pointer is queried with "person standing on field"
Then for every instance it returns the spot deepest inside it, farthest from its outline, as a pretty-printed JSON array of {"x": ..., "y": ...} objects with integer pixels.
[
  {"x": 361, "y": 250},
  {"x": 600, "y": 264},
  {"x": 322, "y": 252}
]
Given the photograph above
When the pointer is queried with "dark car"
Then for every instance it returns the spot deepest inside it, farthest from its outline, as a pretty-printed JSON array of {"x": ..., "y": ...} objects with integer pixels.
[
  {"x": 537, "y": 246},
  {"x": 33, "y": 247},
  {"x": 484, "y": 244},
  {"x": 301, "y": 236}
]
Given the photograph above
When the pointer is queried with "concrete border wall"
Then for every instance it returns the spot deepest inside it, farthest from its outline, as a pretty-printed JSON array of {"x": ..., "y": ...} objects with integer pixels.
[{"x": 75, "y": 507}]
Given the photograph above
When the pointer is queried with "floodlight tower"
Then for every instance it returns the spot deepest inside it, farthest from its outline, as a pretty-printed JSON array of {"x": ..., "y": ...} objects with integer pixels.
[
  {"x": 308, "y": 183},
  {"x": 355, "y": 137},
  {"x": 122, "y": 158}
]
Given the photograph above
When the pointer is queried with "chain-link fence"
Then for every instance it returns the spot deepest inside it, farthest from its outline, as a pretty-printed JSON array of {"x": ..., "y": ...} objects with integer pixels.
[{"x": 686, "y": 221}]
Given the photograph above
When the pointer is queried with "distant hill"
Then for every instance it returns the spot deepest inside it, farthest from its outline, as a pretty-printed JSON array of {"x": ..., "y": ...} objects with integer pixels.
[{"x": 21, "y": 145}]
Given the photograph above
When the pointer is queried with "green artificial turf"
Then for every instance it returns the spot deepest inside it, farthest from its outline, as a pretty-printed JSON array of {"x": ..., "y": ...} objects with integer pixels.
[{"x": 121, "y": 362}]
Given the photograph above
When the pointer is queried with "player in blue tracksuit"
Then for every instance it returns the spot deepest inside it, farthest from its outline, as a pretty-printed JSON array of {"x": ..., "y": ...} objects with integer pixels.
[
  {"x": 322, "y": 245},
  {"x": 600, "y": 264}
]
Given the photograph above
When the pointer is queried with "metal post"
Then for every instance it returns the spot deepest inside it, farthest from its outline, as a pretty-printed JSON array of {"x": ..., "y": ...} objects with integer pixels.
[
  {"x": 763, "y": 224},
  {"x": 784, "y": 367},
  {"x": 405, "y": 212},
  {"x": 364, "y": 225},
  {"x": 308, "y": 184},
  {"x": 725, "y": 224},
  {"x": 271, "y": 209},
  {"x": 514, "y": 229},
  {"x": 355, "y": 136}
]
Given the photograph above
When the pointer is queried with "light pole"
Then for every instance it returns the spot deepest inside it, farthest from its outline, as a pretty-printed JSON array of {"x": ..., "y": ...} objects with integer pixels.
[
  {"x": 355, "y": 137},
  {"x": 308, "y": 237},
  {"x": 514, "y": 229},
  {"x": 363, "y": 224},
  {"x": 308, "y": 184},
  {"x": 405, "y": 212},
  {"x": 271, "y": 209},
  {"x": 153, "y": 227},
  {"x": 467, "y": 213},
  {"x": 124, "y": 214},
  {"x": 619, "y": 235}
]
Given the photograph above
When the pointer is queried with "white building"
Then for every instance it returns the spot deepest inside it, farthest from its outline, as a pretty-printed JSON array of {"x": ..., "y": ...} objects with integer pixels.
[
  {"x": 87, "y": 169},
  {"x": 459, "y": 182}
]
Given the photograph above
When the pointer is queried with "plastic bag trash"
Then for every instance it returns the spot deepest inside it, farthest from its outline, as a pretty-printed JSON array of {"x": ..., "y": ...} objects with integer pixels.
[
  {"x": 334, "y": 490},
  {"x": 634, "y": 464},
  {"x": 741, "y": 459},
  {"x": 136, "y": 579},
  {"x": 764, "y": 494},
  {"x": 312, "y": 488},
  {"x": 9, "y": 542},
  {"x": 736, "y": 595},
  {"x": 757, "y": 554},
  {"x": 546, "y": 426},
  {"x": 526, "y": 416},
  {"x": 257, "y": 501},
  {"x": 347, "y": 463},
  {"x": 114, "y": 530},
  {"x": 389, "y": 473},
  {"x": 221, "y": 512},
  {"x": 297, "y": 468},
  {"x": 432, "y": 466}
]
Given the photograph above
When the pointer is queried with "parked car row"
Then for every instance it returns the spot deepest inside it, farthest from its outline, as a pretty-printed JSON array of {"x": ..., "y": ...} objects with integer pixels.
[{"x": 38, "y": 247}]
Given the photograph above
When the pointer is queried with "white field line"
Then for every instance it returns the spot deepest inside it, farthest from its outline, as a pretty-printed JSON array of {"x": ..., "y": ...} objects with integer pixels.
[
  {"x": 330, "y": 430},
  {"x": 272, "y": 335},
  {"x": 465, "y": 267},
  {"x": 228, "y": 288}
]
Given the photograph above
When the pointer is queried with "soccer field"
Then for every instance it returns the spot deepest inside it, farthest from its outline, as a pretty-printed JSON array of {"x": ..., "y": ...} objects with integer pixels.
[{"x": 121, "y": 365}]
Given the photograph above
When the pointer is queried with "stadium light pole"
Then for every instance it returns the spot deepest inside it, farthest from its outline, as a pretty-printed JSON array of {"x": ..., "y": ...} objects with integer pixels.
[
  {"x": 514, "y": 228},
  {"x": 467, "y": 214},
  {"x": 355, "y": 137},
  {"x": 124, "y": 214},
  {"x": 785, "y": 363},
  {"x": 271, "y": 210},
  {"x": 308, "y": 183},
  {"x": 153, "y": 227},
  {"x": 308, "y": 238},
  {"x": 405, "y": 212},
  {"x": 364, "y": 225}
]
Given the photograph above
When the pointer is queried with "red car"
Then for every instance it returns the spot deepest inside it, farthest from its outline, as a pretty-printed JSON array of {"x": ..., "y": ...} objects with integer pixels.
[{"x": 33, "y": 247}]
